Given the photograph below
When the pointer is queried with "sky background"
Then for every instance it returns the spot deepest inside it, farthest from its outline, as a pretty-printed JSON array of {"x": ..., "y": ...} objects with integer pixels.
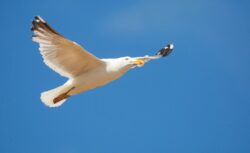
[{"x": 197, "y": 100}]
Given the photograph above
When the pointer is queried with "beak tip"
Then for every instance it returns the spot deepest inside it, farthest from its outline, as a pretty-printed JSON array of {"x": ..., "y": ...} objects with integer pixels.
[{"x": 139, "y": 62}]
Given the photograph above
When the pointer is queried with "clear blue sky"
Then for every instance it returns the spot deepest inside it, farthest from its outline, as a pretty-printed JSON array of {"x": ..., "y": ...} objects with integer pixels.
[{"x": 197, "y": 100}]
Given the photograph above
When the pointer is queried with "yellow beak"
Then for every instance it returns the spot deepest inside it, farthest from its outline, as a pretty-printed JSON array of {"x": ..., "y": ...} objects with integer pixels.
[{"x": 139, "y": 62}]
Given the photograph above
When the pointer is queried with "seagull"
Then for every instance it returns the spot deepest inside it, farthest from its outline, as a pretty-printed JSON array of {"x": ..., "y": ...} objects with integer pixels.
[{"x": 84, "y": 70}]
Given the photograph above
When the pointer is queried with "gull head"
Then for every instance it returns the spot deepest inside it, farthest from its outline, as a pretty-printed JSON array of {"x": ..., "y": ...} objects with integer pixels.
[
  {"x": 122, "y": 64},
  {"x": 132, "y": 62}
]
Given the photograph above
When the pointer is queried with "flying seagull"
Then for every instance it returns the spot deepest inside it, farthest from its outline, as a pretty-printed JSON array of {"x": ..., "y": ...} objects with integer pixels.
[{"x": 83, "y": 70}]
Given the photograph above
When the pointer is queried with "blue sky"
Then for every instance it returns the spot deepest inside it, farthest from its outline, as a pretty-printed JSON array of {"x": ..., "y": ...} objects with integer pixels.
[{"x": 196, "y": 100}]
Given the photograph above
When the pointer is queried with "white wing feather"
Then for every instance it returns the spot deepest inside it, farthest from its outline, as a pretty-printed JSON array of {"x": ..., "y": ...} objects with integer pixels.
[{"x": 62, "y": 55}]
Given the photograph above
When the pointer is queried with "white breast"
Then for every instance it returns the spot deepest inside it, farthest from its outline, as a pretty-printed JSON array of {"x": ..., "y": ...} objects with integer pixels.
[{"x": 96, "y": 77}]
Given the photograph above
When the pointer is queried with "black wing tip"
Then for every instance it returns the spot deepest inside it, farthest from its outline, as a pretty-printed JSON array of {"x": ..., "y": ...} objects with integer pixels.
[
  {"x": 39, "y": 19},
  {"x": 36, "y": 20},
  {"x": 166, "y": 50},
  {"x": 40, "y": 22}
]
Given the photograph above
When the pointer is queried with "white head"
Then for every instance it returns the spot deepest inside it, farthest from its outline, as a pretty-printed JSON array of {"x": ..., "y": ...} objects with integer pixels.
[
  {"x": 131, "y": 62},
  {"x": 123, "y": 63}
]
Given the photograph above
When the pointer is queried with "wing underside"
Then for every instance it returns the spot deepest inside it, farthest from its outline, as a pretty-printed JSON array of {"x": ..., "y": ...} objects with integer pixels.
[{"x": 62, "y": 55}]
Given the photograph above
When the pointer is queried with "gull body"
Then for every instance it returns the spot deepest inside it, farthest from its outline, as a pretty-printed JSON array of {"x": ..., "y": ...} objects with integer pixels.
[
  {"x": 83, "y": 70},
  {"x": 111, "y": 69}
]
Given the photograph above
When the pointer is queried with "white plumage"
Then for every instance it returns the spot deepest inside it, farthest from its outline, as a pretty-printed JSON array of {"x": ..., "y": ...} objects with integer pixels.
[{"x": 83, "y": 70}]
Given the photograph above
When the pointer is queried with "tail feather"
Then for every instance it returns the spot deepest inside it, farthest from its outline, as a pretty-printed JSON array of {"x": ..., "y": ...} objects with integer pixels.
[{"x": 56, "y": 97}]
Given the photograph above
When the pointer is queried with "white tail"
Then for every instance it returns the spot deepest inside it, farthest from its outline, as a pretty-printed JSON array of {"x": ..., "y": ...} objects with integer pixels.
[{"x": 49, "y": 98}]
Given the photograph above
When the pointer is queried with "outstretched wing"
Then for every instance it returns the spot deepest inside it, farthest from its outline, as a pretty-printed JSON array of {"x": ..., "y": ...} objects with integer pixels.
[
  {"x": 62, "y": 55},
  {"x": 161, "y": 53}
]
